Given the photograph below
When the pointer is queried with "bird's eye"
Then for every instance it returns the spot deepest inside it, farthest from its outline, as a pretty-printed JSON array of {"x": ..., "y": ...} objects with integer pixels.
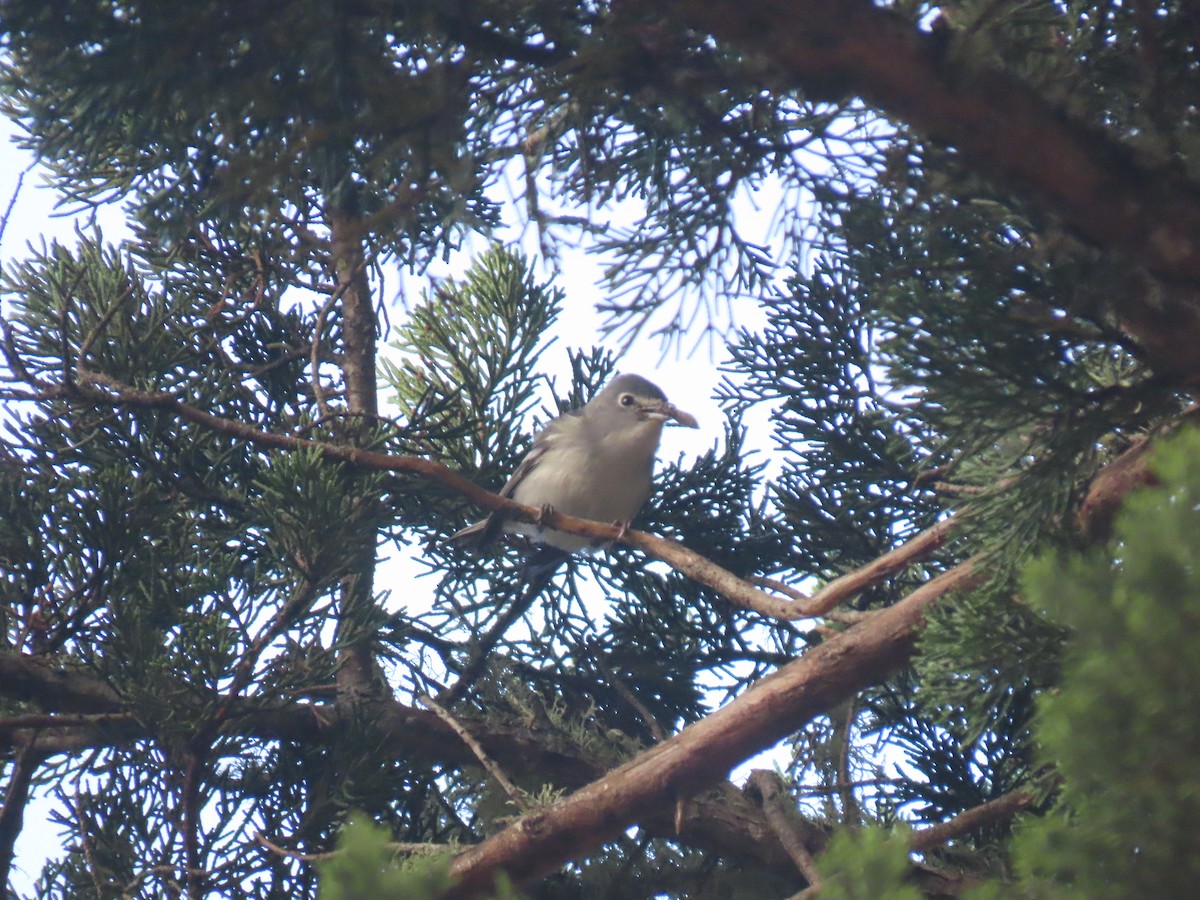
[{"x": 627, "y": 400}]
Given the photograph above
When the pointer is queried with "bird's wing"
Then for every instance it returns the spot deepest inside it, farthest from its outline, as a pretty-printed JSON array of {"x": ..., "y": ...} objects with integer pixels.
[
  {"x": 540, "y": 446},
  {"x": 484, "y": 530}
]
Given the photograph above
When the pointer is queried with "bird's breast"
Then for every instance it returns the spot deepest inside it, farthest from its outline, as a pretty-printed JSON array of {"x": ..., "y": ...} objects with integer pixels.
[{"x": 588, "y": 483}]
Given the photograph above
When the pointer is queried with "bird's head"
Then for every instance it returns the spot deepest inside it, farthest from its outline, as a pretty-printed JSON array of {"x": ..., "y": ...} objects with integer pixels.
[{"x": 631, "y": 398}]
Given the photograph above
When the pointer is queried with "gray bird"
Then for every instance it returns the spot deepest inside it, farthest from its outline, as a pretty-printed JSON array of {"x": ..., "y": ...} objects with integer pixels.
[{"x": 596, "y": 463}]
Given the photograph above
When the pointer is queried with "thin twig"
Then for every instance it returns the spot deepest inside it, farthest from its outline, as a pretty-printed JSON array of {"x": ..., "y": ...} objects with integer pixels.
[
  {"x": 293, "y": 854},
  {"x": 133, "y": 888},
  {"x": 998, "y": 810},
  {"x": 99, "y": 327},
  {"x": 774, "y": 584},
  {"x": 398, "y": 847},
  {"x": 631, "y": 698},
  {"x": 287, "y": 613},
  {"x": 854, "y": 583},
  {"x": 16, "y": 364},
  {"x": 848, "y": 616},
  {"x": 842, "y": 720},
  {"x": 12, "y": 202},
  {"x": 959, "y": 490},
  {"x": 515, "y": 793},
  {"x": 89, "y": 856},
  {"x": 838, "y": 787},
  {"x": 530, "y": 588}
]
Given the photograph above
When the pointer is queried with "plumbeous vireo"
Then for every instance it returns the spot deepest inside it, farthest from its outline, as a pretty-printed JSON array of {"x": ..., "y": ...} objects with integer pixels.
[{"x": 596, "y": 462}]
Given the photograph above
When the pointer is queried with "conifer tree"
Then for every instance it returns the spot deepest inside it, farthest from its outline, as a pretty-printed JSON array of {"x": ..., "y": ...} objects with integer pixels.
[{"x": 981, "y": 307}]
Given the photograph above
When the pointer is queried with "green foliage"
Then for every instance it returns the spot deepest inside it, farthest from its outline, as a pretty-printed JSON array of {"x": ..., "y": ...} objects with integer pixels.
[
  {"x": 307, "y": 513},
  {"x": 272, "y": 117},
  {"x": 961, "y": 765},
  {"x": 1130, "y": 802},
  {"x": 1016, "y": 418},
  {"x": 365, "y": 867},
  {"x": 867, "y": 864},
  {"x": 852, "y": 453},
  {"x": 981, "y": 650},
  {"x": 466, "y": 373},
  {"x": 970, "y": 370},
  {"x": 469, "y": 376}
]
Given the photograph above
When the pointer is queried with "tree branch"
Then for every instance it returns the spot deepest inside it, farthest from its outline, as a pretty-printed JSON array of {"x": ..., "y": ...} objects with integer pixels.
[
  {"x": 722, "y": 822},
  {"x": 644, "y": 789},
  {"x": 999, "y": 125},
  {"x": 998, "y": 810},
  {"x": 357, "y": 677},
  {"x": 102, "y": 389},
  {"x": 796, "y": 835},
  {"x": 515, "y": 794},
  {"x": 865, "y": 577},
  {"x": 768, "y": 711},
  {"x": 703, "y": 753},
  {"x": 1113, "y": 483},
  {"x": 12, "y": 814},
  {"x": 35, "y": 679}
]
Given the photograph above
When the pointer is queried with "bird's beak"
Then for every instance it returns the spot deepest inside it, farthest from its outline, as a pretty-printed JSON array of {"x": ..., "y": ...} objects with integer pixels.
[
  {"x": 686, "y": 419},
  {"x": 665, "y": 410}
]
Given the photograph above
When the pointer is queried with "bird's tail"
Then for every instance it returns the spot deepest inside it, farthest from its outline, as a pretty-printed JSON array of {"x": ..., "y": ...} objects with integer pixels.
[{"x": 540, "y": 566}]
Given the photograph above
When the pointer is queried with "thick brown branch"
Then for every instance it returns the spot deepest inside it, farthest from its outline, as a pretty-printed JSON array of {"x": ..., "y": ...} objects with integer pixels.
[
  {"x": 643, "y": 790},
  {"x": 11, "y": 725},
  {"x": 35, "y": 679},
  {"x": 195, "y": 877},
  {"x": 74, "y": 739},
  {"x": 998, "y": 125},
  {"x": 721, "y": 822},
  {"x": 1122, "y": 475},
  {"x": 996, "y": 121},
  {"x": 998, "y": 810},
  {"x": 1108, "y": 490},
  {"x": 358, "y": 314},
  {"x": 357, "y": 678},
  {"x": 703, "y": 753}
]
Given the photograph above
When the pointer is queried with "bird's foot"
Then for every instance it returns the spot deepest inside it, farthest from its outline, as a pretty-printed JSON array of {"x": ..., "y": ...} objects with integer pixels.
[
  {"x": 543, "y": 514},
  {"x": 622, "y": 530}
]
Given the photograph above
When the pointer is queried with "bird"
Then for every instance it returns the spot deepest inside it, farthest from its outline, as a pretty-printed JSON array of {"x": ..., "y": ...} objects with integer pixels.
[{"x": 595, "y": 462}]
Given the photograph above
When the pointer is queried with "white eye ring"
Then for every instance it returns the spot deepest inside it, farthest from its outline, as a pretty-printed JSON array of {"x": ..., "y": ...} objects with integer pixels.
[{"x": 627, "y": 400}]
